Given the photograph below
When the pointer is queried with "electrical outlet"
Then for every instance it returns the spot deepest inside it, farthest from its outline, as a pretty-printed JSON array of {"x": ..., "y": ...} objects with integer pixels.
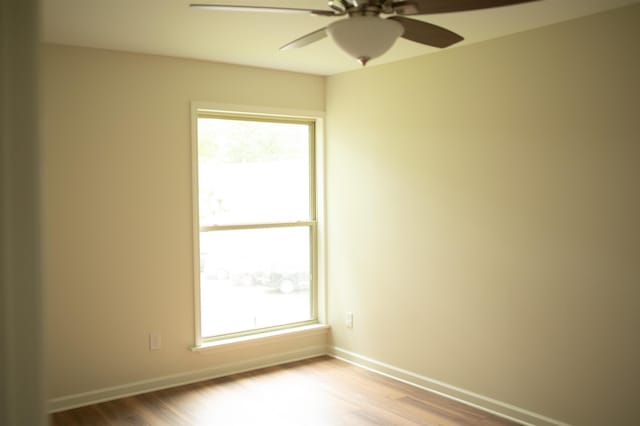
[
  {"x": 155, "y": 341},
  {"x": 349, "y": 320}
]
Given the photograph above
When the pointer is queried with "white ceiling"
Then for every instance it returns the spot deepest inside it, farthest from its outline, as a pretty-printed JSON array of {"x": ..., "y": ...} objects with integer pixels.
[{"x": 171, "y": 28}]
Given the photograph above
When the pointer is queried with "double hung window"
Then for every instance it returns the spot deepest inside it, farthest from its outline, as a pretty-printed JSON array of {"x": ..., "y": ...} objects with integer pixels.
[{"x": 256, "y": 231}]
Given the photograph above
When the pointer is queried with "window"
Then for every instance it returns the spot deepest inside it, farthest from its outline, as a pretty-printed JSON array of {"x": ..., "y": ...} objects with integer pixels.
[{"x": 256, "y": 229}]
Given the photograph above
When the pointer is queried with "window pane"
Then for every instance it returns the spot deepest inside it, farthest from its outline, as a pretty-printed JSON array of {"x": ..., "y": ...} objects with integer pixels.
[
  {"x": 252, "y": 171},
  {"x": 254, "y": 278}
]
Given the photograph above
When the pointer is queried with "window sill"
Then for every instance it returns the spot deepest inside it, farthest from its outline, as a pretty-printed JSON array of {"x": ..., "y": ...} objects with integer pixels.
[{"x": 262, "y": 338}]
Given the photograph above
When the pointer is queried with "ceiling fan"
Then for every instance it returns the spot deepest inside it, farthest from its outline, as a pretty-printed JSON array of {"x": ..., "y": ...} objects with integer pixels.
[{"x": 372, "y": 26}]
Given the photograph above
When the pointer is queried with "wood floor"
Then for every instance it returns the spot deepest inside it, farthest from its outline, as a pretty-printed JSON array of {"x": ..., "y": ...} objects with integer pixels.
[{"x": 321, "y": 391}]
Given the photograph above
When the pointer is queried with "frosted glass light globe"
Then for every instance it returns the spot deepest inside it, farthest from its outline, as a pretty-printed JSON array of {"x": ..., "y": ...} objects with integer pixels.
[{"x": 365, "y": 37}]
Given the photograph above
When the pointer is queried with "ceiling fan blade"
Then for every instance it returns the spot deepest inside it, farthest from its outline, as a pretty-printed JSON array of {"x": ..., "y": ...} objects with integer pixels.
[
  {"x": 426, "y": 33},
  {"x": 419, "y": 7},
  {"x": 306, "y": 39},
  {"x": 232, "y": 8}
]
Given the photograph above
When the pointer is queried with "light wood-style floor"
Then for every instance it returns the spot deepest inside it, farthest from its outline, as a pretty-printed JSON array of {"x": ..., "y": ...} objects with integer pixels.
[{"x": 320, "y": 391}]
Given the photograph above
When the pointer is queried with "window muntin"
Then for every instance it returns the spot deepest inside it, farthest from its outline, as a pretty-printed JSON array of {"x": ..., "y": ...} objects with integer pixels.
[{"x": 257, "y": 224}]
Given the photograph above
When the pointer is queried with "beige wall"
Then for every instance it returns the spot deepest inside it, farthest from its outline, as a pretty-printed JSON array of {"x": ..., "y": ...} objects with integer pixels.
[
  {"x": 117, "y": 209},
  {"x": 483, "y": 208}
]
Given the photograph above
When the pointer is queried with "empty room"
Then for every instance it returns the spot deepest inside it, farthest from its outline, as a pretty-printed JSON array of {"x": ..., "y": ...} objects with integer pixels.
[{"x": 415, "y": 212}]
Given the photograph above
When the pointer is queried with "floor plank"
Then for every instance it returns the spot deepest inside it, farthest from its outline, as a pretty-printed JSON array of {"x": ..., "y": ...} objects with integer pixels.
[{"x": 317, "y": 392}]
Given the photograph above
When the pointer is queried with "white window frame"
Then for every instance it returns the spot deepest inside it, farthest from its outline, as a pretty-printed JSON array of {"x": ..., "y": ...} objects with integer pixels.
[{"x": 318, "y": 227}]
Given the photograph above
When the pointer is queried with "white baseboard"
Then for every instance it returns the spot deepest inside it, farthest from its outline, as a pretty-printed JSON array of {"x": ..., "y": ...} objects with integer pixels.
[
  {"x": 143, "y": 386},
  {"x": 481, "y": 402}
]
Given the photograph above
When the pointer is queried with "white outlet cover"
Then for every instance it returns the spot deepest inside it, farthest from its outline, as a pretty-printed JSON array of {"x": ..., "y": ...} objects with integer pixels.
[{"x": 155, "y": 341}]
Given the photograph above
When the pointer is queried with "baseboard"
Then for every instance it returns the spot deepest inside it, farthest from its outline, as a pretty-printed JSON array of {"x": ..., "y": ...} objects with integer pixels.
[
  {"x": 473, "y": 399},
  {"x": 143, "y": 386}
]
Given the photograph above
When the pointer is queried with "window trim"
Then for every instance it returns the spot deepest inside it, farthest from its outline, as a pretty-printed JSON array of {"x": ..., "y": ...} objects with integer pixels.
[{"x": 316, "y": 227}]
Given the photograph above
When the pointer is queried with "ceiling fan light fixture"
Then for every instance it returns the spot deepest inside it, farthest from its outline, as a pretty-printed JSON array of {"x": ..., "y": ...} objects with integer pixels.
[{"x": 365, "y": 37}]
